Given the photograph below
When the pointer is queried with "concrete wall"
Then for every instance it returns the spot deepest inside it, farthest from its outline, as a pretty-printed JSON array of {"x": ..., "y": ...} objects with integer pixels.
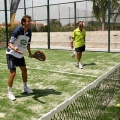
[{"x": 95, "y": 40}]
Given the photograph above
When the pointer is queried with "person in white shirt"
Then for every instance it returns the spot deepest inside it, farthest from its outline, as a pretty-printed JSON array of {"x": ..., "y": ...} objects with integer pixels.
[{"x": 18, "y": 44}]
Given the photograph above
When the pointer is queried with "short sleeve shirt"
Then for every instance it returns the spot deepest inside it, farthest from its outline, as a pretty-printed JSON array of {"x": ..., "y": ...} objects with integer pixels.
[
  {"x": 79, "y": 37},
  {"x": 19, "y": 39}
]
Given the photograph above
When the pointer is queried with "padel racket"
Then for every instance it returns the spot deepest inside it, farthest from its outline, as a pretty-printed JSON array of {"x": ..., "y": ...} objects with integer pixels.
[{"x": 39, "y": 55}]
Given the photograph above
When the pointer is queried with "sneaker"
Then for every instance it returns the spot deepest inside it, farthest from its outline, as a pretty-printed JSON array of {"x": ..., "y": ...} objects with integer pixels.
[
  {"x": 11, "y": 96},
  {"x": 27, "y": 90},
  {"x": 80, "y": 66},
  {"x": 77, "y": 65},
  {"x": 73, "y": 55}
]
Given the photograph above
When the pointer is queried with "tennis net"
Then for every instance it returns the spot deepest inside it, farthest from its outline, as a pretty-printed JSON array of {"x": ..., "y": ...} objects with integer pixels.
[{"x": 89, "y": 103}]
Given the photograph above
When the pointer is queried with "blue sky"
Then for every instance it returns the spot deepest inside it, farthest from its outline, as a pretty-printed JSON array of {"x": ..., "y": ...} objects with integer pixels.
[{"x": 41, "y": 13}]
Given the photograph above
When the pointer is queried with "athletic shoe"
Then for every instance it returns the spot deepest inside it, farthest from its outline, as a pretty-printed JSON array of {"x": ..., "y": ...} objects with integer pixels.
[
  {"x": 73, "y": 55},
  {"x": 80, "y": 66},
  {"x": 77, "y": 65},
  {"x": 27, "y": 90},
  {"x": 11, "y": 96}
]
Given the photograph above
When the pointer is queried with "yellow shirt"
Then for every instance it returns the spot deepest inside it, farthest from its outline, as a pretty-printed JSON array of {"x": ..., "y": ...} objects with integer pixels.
[{"x": 78, "y": 37}]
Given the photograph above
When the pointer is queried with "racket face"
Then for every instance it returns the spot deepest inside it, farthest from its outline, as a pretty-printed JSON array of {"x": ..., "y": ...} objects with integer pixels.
[{"x": 40, "y": 56}]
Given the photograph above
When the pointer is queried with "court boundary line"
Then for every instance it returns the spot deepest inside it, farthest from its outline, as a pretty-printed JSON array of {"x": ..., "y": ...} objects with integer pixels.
[{"x": 69, "y": 73}]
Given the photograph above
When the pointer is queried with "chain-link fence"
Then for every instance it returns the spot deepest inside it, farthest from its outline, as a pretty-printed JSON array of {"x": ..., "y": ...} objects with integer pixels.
[{"x": 63, "y": 18}]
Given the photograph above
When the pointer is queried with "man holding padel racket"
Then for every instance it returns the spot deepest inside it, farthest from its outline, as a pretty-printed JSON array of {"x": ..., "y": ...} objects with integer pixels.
[
  {"x": 18, "y": 44},
  {"x": 78, "y": 39}
]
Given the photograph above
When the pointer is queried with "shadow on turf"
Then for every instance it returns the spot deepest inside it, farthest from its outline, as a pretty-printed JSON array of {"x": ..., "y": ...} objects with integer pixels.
[
  {"x": 89, "y": 64},
  {"x": 37, "y": 93},
  {"x": 43, "y": 92}
]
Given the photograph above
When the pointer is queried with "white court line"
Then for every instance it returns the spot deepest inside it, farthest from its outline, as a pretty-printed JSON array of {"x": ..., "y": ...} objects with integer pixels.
[
  {"x": 64, "y": 72},
  {"x": 70, "y": 73}
]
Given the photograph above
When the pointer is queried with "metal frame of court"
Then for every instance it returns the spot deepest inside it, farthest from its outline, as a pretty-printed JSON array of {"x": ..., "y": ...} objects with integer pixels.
[{"x": 48, "y": 20}]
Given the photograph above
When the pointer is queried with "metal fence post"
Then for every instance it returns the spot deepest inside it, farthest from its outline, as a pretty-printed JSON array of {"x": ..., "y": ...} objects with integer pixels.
[
  {"x": 6, "y": 22},
  {"x": 109, "y": 25},
  {"x": 48, "y": 23},
  {"x": 75, "y": 14}
]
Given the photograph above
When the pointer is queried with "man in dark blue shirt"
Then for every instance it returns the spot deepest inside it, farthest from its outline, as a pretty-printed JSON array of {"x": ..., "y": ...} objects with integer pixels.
[{"x": 19, "y": 42}]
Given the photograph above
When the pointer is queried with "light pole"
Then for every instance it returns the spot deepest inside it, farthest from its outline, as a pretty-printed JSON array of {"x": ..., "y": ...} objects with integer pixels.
[
  {"x": 24, "y": 7},
  {"x": 69, "y": 15},
  {"x": 59, "y": 11},
  {"x": 86, "y": 14},
  {"x": 32, "y": 11},
  {"x": 78, "y": 15}
]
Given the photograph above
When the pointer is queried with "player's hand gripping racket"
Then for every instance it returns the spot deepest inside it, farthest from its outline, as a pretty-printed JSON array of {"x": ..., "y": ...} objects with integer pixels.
[
  {"x": 73, "y": 49},
  {"x": 39, "y": 55}
]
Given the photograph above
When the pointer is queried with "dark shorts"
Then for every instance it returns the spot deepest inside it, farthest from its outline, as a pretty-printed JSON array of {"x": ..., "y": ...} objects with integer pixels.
[
  {"x": 80, "y": 49},
  {"x": 13, "y": 62}
]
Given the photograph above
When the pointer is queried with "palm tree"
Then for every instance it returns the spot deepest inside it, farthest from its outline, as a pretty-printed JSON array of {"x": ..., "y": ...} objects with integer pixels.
[
  {"x": 115, "y": 8},
  {"x": 100, "y": 8}
]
